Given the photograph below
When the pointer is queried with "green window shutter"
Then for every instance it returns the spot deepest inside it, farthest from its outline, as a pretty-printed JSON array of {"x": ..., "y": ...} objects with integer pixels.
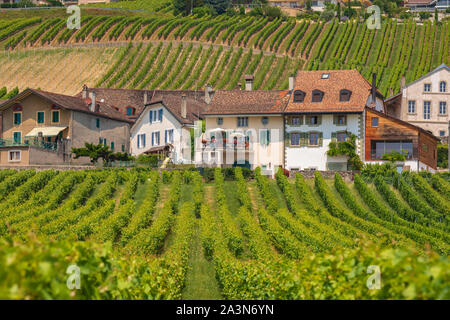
[
  {"x": 40, "y": 118},
  {"x": 304, "y": 139},
  {"x": 123, "y": 148},
  {"x": 301, "y": 120},
  {"x": 307, "y": 119},
  {"x": 17, "y": 137},
  {"x": 319, "y": 120},
  {"x": 334, "y": 136},
  {"x": 97, "y": 123},
  {"x": 268, "y": 136},
  {"x": 345, "y": 120},
  {"x": 320, "y": 139},
  {"x": 335, "y": 119},
  {"x": 287, "y": 139},
  {"x": 112, "y": 145}
]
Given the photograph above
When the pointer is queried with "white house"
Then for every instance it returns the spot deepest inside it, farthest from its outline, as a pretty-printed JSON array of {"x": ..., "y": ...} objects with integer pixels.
[
  {"x": 326, "y": 106},
  {"x": 164, "y": 126}
]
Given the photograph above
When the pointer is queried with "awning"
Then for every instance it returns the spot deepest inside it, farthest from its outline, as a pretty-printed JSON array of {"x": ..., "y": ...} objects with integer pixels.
[{"x": 46, "y": 131}]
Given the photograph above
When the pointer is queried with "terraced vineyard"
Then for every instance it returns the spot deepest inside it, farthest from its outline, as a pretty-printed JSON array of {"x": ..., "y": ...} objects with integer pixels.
[
  {"x": 150, "y": 235},
  {"x": 398, "y": 48}
]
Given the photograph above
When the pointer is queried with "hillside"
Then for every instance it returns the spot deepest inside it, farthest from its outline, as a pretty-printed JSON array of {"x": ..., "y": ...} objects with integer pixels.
[{"x": 278, "y": 48}]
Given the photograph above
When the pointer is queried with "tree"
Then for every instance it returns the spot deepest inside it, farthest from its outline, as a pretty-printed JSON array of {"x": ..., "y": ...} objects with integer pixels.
[
  {"x": 95, "y": 152},
  {"x": 327, "y": 14},
  {"x": 308, "y": 5},
  {"x": 185, "y": 6},
  {"x": 436, "y": 16},
  {"x": 220, "y": 6},
  {"x": 424, "y": 15},
  {"x": 346, "y": 148},
  {"x": 338, "y": 11}
]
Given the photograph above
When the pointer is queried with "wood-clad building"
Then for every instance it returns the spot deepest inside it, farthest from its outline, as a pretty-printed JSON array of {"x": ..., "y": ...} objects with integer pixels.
[{"x": 384, "y": 134}]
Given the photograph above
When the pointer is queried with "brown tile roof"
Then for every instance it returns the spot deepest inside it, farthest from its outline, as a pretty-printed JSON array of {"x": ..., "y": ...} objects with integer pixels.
[
  {"x": 123, "y": 98},
  {"x": 352, "y": 80},
  {"x": 248, "y": 102},
  {"x": 416, "y": 2},
  {"x": 73, "y": 103}
]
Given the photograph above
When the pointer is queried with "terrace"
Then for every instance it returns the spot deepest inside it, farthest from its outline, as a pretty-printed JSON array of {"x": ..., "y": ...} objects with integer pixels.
[{"x": 29, "y": 142}]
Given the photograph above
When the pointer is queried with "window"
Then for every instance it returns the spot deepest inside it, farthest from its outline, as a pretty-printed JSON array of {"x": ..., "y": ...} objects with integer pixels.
[
  {"x": 442, "y": 133},
  {"x": 160, "y": 114},
  {"x": 299, "y": 96},
  {"x": 325, "y": 75},
  {"x": 340, "y": 119},
  {"x": 131, "y": 111},
  {"x": 341, "y": 136},
  {"x": 219, "y": 121},
  {"x": 411, "y": 106},
  {"x": 104, "y": 142},
  {"x": 427, "y": 87},
  {"x": 100, "y": 140},
  {"x": 141, "y": 141},
  {"x": 264, "y": 137},
  {"x": 155, "y": 138},
  {"x": 97, "y": 122},
  {"x": 55, "y": 116},
  {"x": 443, "y": 86},
  {"x": 168, "y": 136},
  {"x": 17, "y": 118},
  {"x": 14, "y": 156},
  {"x": 295, "y": 139},
  {"x": 426, "y": 109},
  {"x": 112, "y": 145},
  {"x": 317, "y": 96},
  {"x": 314, "y": 139},
  {"x": 375, "y": 122},
  {"x": 265, "y": 120},
  {"x": 40, "y": 117},
  {"x": 296, "y": 121},
  {"x": 379, "y": 148},
  {"x": 123, "y": 148},
  {"x": 442, "y": 107},
  {"x": 345, "y": 95},
  {"x": 242, "y": 121},
  {"x": 17, "y": 137},
  {"x": 156, "y": 115},
  {"x": 313, "y": 120}
]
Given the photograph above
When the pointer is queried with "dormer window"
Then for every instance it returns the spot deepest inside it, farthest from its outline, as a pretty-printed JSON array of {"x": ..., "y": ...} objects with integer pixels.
[
  {"x": 131, "y": 111},
  {"x": 299, "y": 96},
  {"x": 344, "y": 95},
  {"x": 317, "y": 95}
]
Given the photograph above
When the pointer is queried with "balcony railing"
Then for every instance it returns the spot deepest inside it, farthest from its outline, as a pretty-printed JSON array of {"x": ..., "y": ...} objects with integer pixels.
[
  {"x": 29, "y": 142},
  {"x": 226, "y": 144}
]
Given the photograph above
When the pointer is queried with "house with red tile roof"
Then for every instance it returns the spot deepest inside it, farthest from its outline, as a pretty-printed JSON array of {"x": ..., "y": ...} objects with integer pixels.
[
  {"x": 164, "y": 125},
  {"x": 40, "y": 127}
]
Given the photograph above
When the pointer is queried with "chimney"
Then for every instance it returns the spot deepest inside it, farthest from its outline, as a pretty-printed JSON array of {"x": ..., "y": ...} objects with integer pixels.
[
  {"x": 249, "y": 82},
  {"x": 208, "y": 96},
  {"x": 84, "y": 92},
  {"x": 183, "y": 106},
  {"x": 403, "y": 82},
  {"x": 374, "y": 87},
  {"x": 291, "y": 82},
  {"x": 145, "y": 97},
  {"x": 92, "y": 105}
]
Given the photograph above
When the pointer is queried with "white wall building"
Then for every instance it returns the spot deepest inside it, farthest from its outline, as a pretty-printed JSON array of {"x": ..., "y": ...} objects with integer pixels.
[{"x": 166, "y": 123}]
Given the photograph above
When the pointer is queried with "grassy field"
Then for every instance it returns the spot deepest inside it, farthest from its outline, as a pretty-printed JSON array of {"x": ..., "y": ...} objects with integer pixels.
[{"x": 142, "y": 235}]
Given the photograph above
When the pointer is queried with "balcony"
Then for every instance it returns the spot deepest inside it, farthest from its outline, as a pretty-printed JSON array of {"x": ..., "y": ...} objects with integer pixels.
[{"x": 29, "y": 142}]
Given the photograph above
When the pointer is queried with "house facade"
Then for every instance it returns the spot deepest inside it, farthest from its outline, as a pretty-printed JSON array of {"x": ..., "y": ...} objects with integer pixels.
[
  {"x": 424, "y": 102},
  {"x": 326, "y": 106},
  {"x": 164, "y": 126},
  {"x": 244, "y": 128},
  {"x": 40, "y": 127}
]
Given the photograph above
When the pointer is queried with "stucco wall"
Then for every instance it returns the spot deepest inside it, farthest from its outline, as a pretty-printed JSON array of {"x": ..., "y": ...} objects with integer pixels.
[
  {"x": 181, "y": 135},
  {"x": 415, "y": 91},
  {"x": 4, "y": 156},
  {"x": 315, "y": 157},
  {"x": 84, "y": 130},
  {"x": 30, "y": 106},
  {"x": 270, "y": 156}
]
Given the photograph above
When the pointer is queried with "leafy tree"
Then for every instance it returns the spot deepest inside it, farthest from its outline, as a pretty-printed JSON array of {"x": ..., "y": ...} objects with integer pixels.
[
  {"x": 327, "y": 14},
  {"x": 3, "y": 92},
  {"x": 95, "y": 152},
  {"x": 424, "y": 15},
  {"x": 338, "y": 11},
  {"x": 442, "y": 155},
  {"x": 308, "y": 5},
  {"x": 185, "y": 6},
  {"x": 220, "y": 6}
]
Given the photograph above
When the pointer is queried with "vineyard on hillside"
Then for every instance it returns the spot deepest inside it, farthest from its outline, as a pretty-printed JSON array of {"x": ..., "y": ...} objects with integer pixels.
[
  {"x": 142, "y": 234},
  {"x": 398, "y": 48}
]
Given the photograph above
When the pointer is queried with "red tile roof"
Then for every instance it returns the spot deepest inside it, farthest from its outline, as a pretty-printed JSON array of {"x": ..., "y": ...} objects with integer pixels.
[
  {"x": 73, "y": 103},
  {"x": 352, "y": 80},
  {"x": 172, "y": 101},
  {"x": 247, "y": 102}
]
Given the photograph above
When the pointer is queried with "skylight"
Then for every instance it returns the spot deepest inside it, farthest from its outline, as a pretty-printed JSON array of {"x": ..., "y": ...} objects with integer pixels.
[{"x": 325, "y": 75}]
